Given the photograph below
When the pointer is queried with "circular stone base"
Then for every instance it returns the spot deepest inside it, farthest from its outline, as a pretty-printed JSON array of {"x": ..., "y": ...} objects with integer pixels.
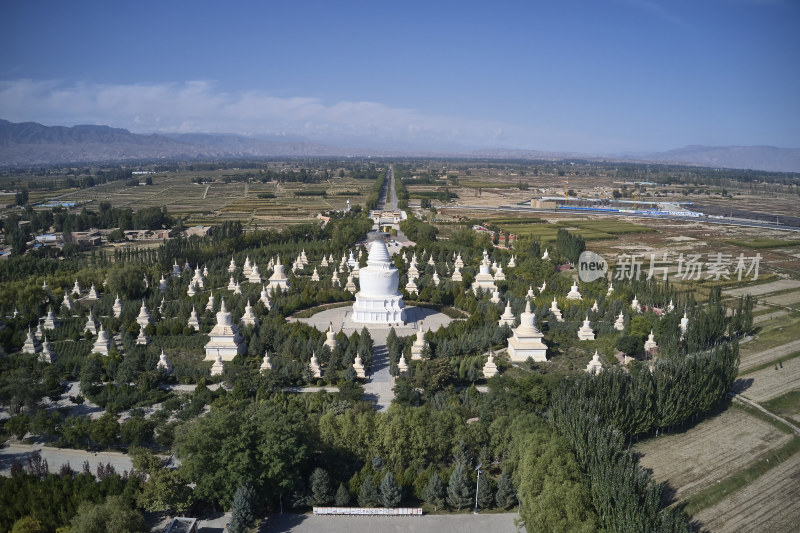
[{"x": 342, "y": 319}]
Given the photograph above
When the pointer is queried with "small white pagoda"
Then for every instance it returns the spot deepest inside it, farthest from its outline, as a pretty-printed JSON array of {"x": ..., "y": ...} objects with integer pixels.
[
  {"x": 402, "y": 364},
  {"x": 50, "y": 321},
  {"x": 32, "y": 344},
  {"x": 76, "y": 289},
  {"x": 490, "y": 369},
  {"x": 91, "y": 325},
  {"x": 231, "y": 284},
  {"x": 303, "y": 257},
  {"x": 315, "y": 275},
  {"x": 459, "y": 262},
  {"x": 210, "y": 303},
  {"x": 163, "y": 363},
  {"x": 142, "y": 339},
  {"x": 508, "y": 317},
  {"x": 435, "y": 278},
  {"x": 224, "y": 338},
  {"x": 350, "y": 286},
  {"x": 67, "y": 302},
  {"x": 573, "y": 293},
  {"x": 232, "y": 266},
  {"x": 527, "y": 339},
  {"x": 313, "y": 366},
  {"x": 248, "y": 318},
  {"x": 248, "y": 267},
  {"x": 358, "y": 366},
  {"x": 495, "y": 299},
  {"x": 278, "y": 280},
  {"x": 586, "y": 333},
  {"x": 92, "y": 293},
  {"x": 266, "y": 363},
  {"x": 499, "y": 275},
  {"x": 595, "y": 308},
  {"x": 419, "y": 344},
  {"x": 330, "y": 337},
  {"x": 555, "y": 311},
  {"x": 255, "y": 275},
  {"x": 610, "y": 288},
  {"x": 484, "y": 279},
  {"x": 595, "y": 366},
  {"x": 193, "y": 321},
  {"x": 116, "y": 309},
  {"x": 102, "y": 343},
  {"x": 218, "y": 367},
  {"x": 650, "y": 345},
  {"x": 619, "y": 324},
  {"x": 144, "y": 316},
  {"x": 457, "y": 275},
  {"x": 47, "y": 355},
  {"x": 684, "y": 325},
  {"x": 635, "y": 305},
  {"x": 335, "y": 279}
]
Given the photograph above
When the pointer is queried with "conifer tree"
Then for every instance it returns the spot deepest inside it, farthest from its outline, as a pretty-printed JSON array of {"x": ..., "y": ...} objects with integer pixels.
[
  {"x": 435, "y": 492},
  {"x": 391, "y": 493},
  {"x": 243, "y": 509},
  {"x": 368, "y": 495},
  {"x": 342, "y": 498},
  {"x": 459, "y": 489},
  {"x": 321, "y": 488},
  {"x": 506, "y": 495}
]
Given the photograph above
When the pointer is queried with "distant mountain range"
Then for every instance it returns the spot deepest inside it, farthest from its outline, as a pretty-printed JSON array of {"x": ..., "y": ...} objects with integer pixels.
[{"x": 29, "y": 143}]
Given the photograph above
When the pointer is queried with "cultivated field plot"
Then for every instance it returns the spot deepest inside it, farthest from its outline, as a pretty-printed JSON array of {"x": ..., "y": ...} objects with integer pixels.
[
  {"x": 769, "y": 383},
  {"x": 710, "y": 451},
  {"x": 786, "y": 299},
  {"x": 751, "y": 360},
  {"x": 766, "y": 288},
  {"x": 770, "y": 503}
]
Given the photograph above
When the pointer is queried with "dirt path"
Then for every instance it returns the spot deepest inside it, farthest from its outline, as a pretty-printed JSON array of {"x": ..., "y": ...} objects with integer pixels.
[
  {"x": 769, "y": 413},
  {"x": 769, "y": 503},
  {"x": 751, "y": 361}
]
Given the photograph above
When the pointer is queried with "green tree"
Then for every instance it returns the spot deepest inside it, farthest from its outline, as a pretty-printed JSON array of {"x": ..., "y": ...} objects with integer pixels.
[
  {"x": 391, "y": 493},
  {"x": 321, "y": 487},
  {"x": 166, "y": 490},
  {"x": 28, "y": 524},
  {"x": 112, "y": 516},
  {"x": 243, "y": 511},
  {"x": 435, "y": 491},
  {"x": 459, "y": 488},
  {"x": 506, "y": 495},
  {"x": 342, "y": 498},
  {"x": 368, "y": 494}
]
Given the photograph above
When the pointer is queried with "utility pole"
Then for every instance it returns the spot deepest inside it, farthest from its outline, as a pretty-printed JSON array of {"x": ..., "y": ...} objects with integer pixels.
[{"x": 477, "y": 486}]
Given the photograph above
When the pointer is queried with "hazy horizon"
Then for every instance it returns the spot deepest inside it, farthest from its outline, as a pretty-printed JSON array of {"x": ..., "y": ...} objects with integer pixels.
[{"x": 594, "y": 77}]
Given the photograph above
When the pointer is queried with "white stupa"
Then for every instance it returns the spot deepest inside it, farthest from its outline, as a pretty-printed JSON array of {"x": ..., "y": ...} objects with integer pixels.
[
  {"x": 315, "y": 275},
  {"x": 92, "y": 293},
  {"x": 527, "y": 339},
  {"x": 193, "y": 322},
  {"x": 224, "y": 338},
  {"x": 76, "y": 289},
  {"x": 67, "y": 302},
  {"x": 411, "y": 287},
  {"x": 47, "y": 355},
  {"x": 595, "y": 366},
  {"x": 610, "y": 289},
  {"x": 543, "y": 287},
  {"x": 102, "y": 343},
  {"x": 210, "y": 303},
  {"x": 266, "y": 363},
  {"x": 176, "y": 270},
  {"x": 484, "y": 280},
  {"x": 457, "y": 275},
  {"x": 356, "y": 270},
  {"x": 335, "y": 279},
  {"x": 419, "y": 344},
  {"x": 358, "y": 366},
  {"x": 619, "y": 324},
  {"x": 684, "y": 325},
  {"x": 555, "y": 311},
  {"x": 264, "y": 299},
  {"x": 402, "y": 364},
  {"x": 546, "y": 254},
  {"x": 324, "y": 262},
  {"x": 191, "y": 290},
  {"x": 586, "y": 333},
  {"x": 330, "y": 337},
  {"x": 247, "y": 268},
  {"x": 635, "y": 305},
  {"x": 163, "y": 363},
  {"x": 435, "y": 278},
  {"x": 117, "y": 307},
  {"x": 91, "y": 325},
  {"x": 431, "y": 262},
  {"x": 508, "y": 317},
  {"x": 670, "y": 306},
  {"x": 219, "y": 366},
  {"x": 379, "y": 301},
  {"x": 44, "y": 285},
  {"x": 499, "y": 275},
  {"x": 255, "y": 275},
  {"x": 237, "y": 289},
  {"x": 313, "y": 366},
  {"x": 231, "y": 284},
  {"x": 530, "y": 294},
  {"x": 232, "y": 266},
  {"x": 32, "y": 344},
  {"x": 50, "y": 321},
  {"x": 205, "y": 270},
  {"x": 248, "y": 318},
  {"x": 495, "y": 299},
  {"x": 142, "y": 339},
  {"x": 512, "y": 262},
  {"x": 595, "y": 308},
  {"x": 650, "y": 345},
  {"x": 303, "y": 257},
  {"x": 197, "y": 279},
  {"x": 278, "y": 280},
  {"x": 350, "y": 285},
  {"x": 573, "y": 293},
  {"x": 144, "y": 317},
  {"x": 162, "y": 284},
  {"x": 459, "y": 262},
  {"x": 490, "y": 368}
]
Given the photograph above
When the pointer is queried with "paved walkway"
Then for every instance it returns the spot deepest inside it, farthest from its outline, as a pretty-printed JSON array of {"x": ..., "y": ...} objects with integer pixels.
[
  {"x": 380, "y": 385},
  {"x": 442, "y": 523},
  {"x": 58, "y": 456}
]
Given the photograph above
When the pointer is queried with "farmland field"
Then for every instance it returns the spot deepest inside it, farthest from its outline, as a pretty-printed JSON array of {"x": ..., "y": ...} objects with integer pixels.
[
  {"x": 769, "y": 503},
  {"x": 770, "y": 383},
  {"x": 712, "y": 450},
  {"x": 786, "y": 405},
  {"x": 765, "y": 288},
  {"x": 614, "y": 227}
]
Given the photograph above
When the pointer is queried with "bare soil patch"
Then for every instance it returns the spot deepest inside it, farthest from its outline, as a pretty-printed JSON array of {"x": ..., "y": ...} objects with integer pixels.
[
  {"x": 710, "y": 451},
  {"x": 772, "y": 354},
  {"x": 770, "y": 503},
  {"x": 769, "y": 383}
]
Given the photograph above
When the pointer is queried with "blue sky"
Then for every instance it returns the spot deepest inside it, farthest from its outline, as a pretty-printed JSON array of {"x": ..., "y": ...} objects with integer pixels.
[{"x": 596, "y": 76}]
